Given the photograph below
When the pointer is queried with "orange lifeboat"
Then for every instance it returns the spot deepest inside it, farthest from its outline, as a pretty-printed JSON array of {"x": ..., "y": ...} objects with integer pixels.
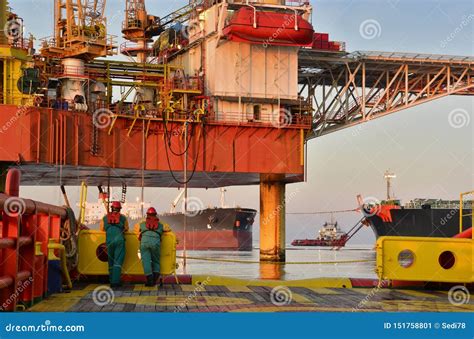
[{"x": 269, "y": 28}]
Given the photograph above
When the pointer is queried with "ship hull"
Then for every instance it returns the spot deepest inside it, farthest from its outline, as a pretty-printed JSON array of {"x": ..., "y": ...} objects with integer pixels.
[
  {"x": 320, "y": 242},
  {"x": 442, "y": 223},
  {"x": 213, "y": 229}
]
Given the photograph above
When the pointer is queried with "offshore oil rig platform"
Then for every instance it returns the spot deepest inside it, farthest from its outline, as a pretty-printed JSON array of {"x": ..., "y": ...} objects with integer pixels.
[{"x": 217, "y": 93}]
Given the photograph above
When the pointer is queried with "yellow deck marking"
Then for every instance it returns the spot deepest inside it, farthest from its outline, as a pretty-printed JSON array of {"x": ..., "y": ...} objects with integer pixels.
[
  {"x": 308, "y": 283},
  {"x": 178, "y": 300},
  {"x": 237, "y": 289},
  {"x": 55, "y": 305},
  {"x": 190, "y": 288},
  {"x": 301, "y": 299},
  {"x": 324, "y": 291},
  {"x": 418, "y": 294},
  {"x": 419, "y": 306},
  {"x": 139, "y": 288},
  {"x": 297, "y": 309},
  {"x": 92, "y": 287}
]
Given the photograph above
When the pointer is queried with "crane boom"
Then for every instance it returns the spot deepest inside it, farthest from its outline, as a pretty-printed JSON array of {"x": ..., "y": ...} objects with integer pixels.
[{"x": 80, "y": 30}]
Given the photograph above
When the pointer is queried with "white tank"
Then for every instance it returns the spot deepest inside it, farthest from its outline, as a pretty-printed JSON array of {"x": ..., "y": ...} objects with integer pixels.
[
  {"x": 72, "y": 83},
  {"x": 73, "y": 67}
]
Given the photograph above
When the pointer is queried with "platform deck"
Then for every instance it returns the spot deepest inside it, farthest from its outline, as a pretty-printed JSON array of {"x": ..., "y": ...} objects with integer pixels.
[{"x": 86, "y": 297}]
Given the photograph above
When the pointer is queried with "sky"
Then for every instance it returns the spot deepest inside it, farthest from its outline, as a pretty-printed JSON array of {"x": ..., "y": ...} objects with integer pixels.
[{"x": 430, "y": 157}]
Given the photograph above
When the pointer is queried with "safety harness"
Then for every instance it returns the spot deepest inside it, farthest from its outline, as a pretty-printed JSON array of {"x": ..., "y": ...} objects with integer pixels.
[
  {"x": 113, "y": 220},
  {"x": 152, "y": 225}
]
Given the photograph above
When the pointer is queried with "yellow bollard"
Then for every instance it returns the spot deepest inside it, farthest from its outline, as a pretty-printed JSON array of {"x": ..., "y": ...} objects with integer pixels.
[{"x": 168, "y": 254}]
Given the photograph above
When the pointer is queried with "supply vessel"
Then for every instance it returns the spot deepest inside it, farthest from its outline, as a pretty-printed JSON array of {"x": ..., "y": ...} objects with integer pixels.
[{"x": 329, "y": 235}]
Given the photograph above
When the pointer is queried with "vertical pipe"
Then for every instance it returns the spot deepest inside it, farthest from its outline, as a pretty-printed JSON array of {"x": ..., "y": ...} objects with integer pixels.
[
  {"x": 3, "y": 22},
  {"x": 272, "y": 217},
  {"x": 185, "y": 190},
  {"x": 461, "y": 212}
]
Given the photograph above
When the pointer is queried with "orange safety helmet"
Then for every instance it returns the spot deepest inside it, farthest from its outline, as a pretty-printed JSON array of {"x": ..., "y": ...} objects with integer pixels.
[
  {"x": 151, "y": 211},
  {"x": 116, "y": 205}
]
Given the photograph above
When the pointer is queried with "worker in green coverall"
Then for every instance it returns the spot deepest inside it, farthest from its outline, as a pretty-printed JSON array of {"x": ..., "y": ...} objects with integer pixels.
[
  {"x": 149, "y": 233},
  {"x": 115, "y": 225}
]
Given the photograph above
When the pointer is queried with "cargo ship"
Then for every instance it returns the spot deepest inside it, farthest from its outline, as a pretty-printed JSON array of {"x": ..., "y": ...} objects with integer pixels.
[
  {"x": 213, "y": 228},
  {"x": 418, "y": 218},
  {"x": 329, "y": 235}
]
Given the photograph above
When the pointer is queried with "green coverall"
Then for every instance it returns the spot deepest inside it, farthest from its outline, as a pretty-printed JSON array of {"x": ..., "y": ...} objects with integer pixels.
[
  {"x": 115, "y": 242},
  {"x": 150, "y": 246}
]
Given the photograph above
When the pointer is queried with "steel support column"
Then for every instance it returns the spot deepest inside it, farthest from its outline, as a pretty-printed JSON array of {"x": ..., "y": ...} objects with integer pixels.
[{"x": 272, "y": 217}]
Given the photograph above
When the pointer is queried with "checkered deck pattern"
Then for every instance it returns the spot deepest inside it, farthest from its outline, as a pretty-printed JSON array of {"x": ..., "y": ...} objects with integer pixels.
[{"x": 188, "y": 298}]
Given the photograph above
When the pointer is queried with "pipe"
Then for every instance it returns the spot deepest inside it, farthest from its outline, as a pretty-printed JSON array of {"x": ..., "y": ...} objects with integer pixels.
[
  {"x": 36, "y": 207},
  {"x": 62, "y": 249},
  {"x": 66, "y": 199},
  {"x": 7, "y": 243},
  {"x": 12, "y": 183},
  {"x": 5, "y": 282}
]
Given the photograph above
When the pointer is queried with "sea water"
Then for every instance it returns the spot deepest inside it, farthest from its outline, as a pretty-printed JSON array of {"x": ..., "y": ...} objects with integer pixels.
[{"x": 301, "y": 263}]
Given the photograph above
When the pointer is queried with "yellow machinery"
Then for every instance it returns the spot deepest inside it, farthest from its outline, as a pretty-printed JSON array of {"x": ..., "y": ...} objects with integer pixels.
[
  {"x": 425, "y": 259},
  {"x": 93, "y": 254},
  {"x": 80, "y": 30}
]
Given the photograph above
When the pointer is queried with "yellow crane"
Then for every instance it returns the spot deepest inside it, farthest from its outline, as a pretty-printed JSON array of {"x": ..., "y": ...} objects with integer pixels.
[{"x": 80, "y": 31}]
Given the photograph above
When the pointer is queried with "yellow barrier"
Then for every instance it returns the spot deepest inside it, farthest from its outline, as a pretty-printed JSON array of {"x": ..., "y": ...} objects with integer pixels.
[
  {"x": 425, "y": 259},
  {"x": 93, "y": 256}
]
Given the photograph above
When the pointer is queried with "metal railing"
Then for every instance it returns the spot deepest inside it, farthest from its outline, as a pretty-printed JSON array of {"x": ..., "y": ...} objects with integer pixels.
[{"x": 461, "y": 210}]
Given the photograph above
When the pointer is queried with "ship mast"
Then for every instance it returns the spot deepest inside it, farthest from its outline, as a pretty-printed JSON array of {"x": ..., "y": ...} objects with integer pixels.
[{"x": 388, "y": 177}]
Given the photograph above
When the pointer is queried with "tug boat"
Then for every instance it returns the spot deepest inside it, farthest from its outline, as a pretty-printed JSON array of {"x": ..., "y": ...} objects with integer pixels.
[{"x": 329, "y": 236}]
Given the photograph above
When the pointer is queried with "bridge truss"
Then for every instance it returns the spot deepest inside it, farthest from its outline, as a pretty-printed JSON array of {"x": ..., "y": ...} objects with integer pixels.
[{"x": 350, "y": 89}]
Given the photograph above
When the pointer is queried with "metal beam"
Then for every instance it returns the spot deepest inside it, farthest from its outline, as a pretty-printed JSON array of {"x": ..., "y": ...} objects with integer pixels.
[{"x": 367, "y": 85}]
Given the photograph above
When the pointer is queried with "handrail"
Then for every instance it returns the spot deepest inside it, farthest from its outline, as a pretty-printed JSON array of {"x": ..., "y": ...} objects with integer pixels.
[{"x": 461, "y": 211}]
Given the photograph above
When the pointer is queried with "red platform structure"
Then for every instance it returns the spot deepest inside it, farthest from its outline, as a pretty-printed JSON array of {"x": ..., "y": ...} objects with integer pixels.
[{"x": 26, "y": 228}]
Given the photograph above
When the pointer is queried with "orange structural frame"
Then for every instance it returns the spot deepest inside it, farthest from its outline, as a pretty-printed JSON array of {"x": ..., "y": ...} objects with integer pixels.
[
  {"x": 26, "y": 228},
  {"x": 120, "y": 147}
]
